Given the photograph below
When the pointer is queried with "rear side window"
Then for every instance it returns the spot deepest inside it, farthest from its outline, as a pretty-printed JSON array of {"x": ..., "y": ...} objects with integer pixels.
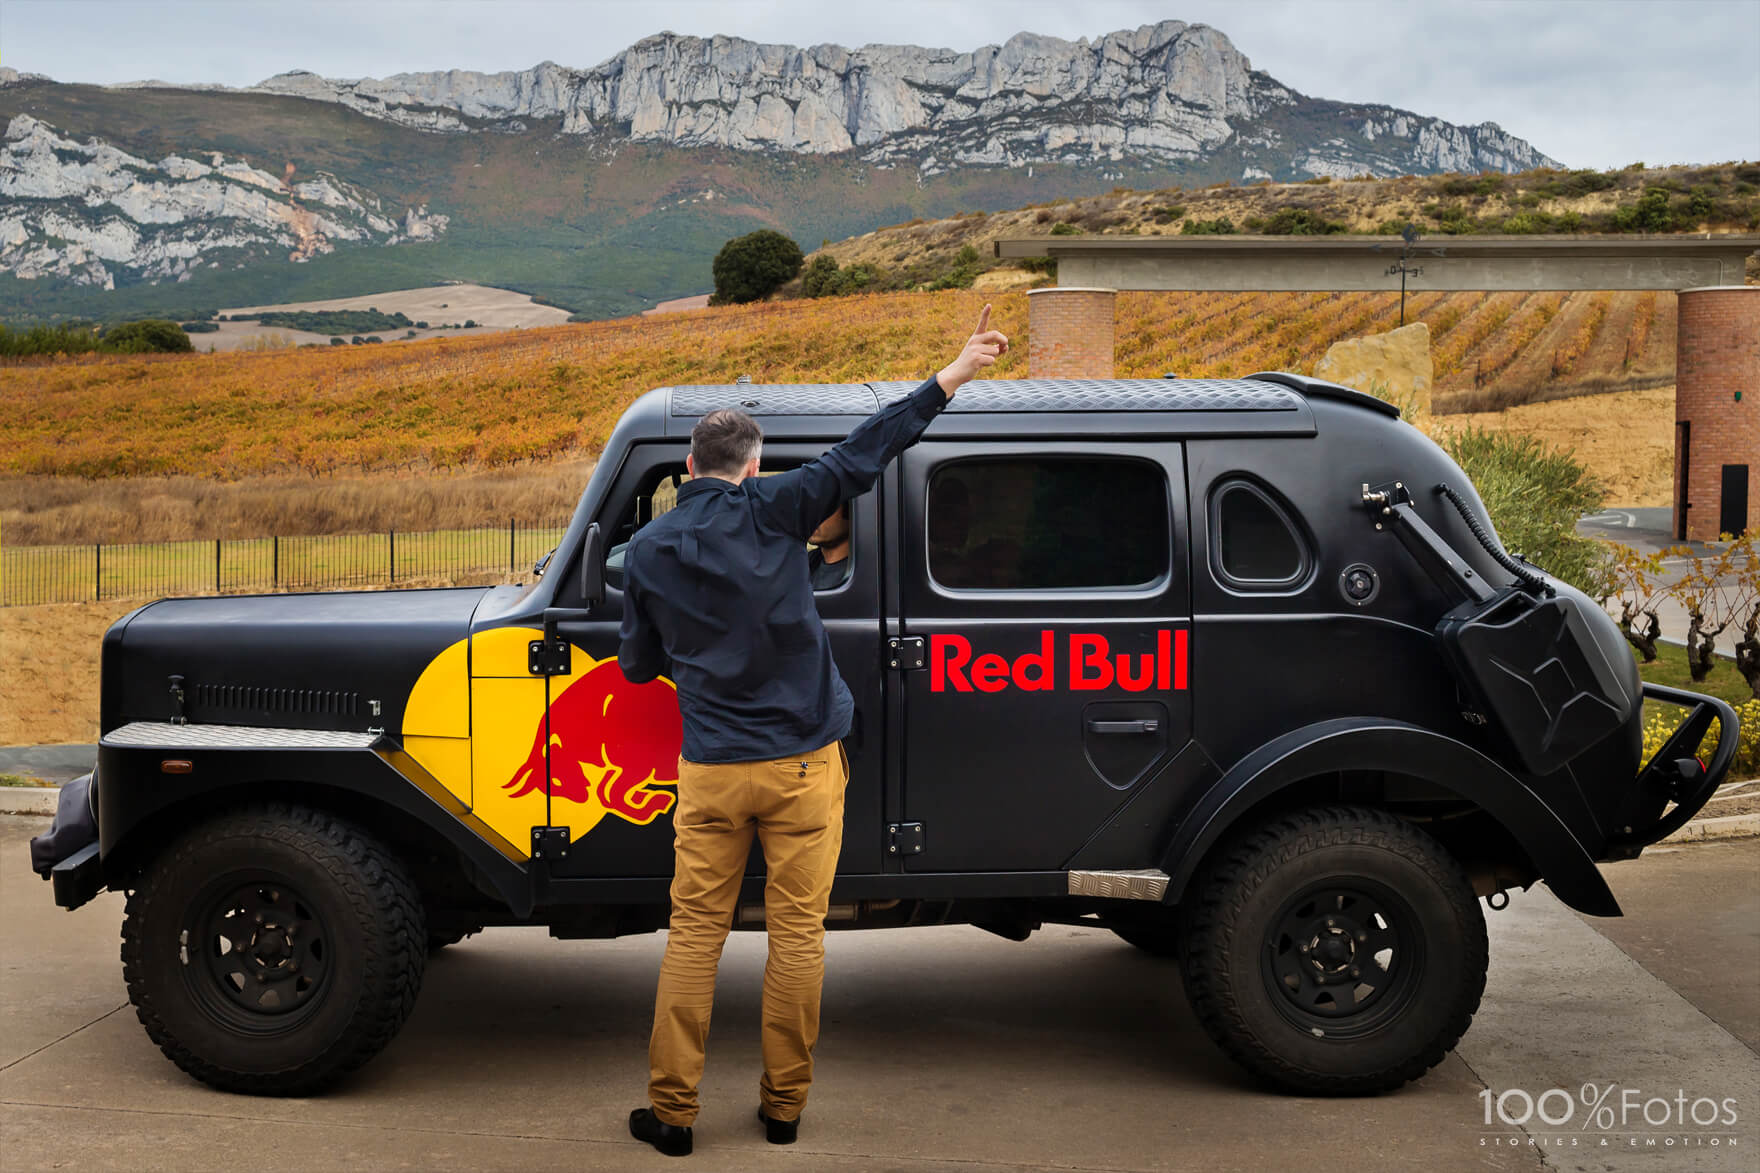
[
  {"x": 1048, "y": 524},
  {"x": 1254, "y": 543}
]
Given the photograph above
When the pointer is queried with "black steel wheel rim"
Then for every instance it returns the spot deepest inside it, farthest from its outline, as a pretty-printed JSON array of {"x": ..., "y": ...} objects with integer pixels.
[
  {"x": 1343, "y": 957},
  {"x": 256, "y": 954}
]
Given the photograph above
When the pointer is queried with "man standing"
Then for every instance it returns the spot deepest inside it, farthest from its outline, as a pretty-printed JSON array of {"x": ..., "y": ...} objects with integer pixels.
[{"x": 718, "y": 591}]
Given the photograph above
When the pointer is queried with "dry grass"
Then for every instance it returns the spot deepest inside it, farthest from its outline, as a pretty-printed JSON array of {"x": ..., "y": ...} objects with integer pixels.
[
  {"x": 49, "y": 671},
  {"x": 1625, "y": 438},
  {"x": 49, "y": 660},
  {"x": 51, "y": 510}
]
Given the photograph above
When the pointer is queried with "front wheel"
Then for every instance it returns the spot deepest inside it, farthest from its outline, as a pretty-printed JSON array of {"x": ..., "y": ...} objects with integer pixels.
[
  {"x": 1336, "y": 951},
  {"x": 273, "y": 949}
]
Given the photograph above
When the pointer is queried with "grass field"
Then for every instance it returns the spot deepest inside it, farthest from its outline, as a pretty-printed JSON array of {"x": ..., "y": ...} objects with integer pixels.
[{"x": 1670, "y": 668}]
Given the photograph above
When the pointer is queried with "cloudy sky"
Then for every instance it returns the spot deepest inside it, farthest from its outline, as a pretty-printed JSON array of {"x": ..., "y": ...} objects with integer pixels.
[{"x": 1595, "y": 83}]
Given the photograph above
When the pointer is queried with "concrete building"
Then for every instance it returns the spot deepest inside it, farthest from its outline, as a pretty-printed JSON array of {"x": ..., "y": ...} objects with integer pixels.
[{"x": 1717, "y": 432}]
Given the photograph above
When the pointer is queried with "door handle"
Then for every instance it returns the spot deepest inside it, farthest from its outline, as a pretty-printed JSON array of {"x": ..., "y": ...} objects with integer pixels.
[{"x": 1124, "y": 726}]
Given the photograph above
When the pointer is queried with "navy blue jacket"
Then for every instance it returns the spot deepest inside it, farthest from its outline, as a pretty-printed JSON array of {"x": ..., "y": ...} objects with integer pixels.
[{"x": 717, "y": 592}]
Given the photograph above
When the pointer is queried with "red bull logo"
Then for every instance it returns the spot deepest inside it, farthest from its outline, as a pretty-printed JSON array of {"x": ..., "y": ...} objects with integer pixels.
[{"x": 610, "y": 743}]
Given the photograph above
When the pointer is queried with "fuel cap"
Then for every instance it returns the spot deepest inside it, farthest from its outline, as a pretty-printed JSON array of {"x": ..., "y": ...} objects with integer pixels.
[{"x": 1360, "y": 583}]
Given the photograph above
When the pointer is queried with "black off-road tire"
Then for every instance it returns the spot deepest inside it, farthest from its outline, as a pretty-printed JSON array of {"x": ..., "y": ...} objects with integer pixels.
[
  {"x": 1262, "y": 1005},
  {"x": 357, "y": 925}
]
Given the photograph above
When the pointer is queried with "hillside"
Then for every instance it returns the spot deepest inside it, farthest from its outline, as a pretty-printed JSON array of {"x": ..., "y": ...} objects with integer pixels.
[
  {"x": 537, "y": 394},
  {"x": 1721, "y": 198},
  {"x": 607, "y": 189}
]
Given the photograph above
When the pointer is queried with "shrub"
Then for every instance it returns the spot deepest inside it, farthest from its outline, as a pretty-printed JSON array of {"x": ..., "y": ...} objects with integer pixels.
[
  {"x": 1065, "y": 228},
  {"x": 824, "y": 279},
  {"x": 820, "y": 272},
  {"x": 1221, "y": 226},
  {"x": 338, "y": 342},
  {"x": 754, "y": 266},
  {"x": 964, "y": 270},
  {"x": 1472, "y": 185},
  {"x": 1651, "y": 213},
  {"x": 421, "y": 325},
  {"x": 1294, "y": 222},
  {"x": 42, "y": 341},
  {"x": 1535, "y": 495},
  {"x": 1662, "y": 720},
  {"x": 470, "y": 323},
  {"x": 199, "y": 327},
  {"x": 147, "y": 336}
]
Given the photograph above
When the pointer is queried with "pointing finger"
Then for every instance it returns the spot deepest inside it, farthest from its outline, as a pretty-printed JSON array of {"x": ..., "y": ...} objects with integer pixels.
[{"x": 983, "y": 320}]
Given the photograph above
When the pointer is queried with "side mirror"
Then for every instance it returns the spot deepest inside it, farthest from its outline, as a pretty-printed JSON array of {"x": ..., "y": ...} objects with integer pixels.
[{"x": 593, "y": 566}]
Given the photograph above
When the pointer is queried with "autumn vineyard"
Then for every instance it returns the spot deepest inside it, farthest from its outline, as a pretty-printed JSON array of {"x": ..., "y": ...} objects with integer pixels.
[{"x": 536, "y": 395}]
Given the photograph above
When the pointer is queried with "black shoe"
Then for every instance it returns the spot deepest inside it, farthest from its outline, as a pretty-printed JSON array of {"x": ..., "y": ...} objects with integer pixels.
[
  {"x": 779, "y": 1131},
  {"x": 672, "y": 1139}
]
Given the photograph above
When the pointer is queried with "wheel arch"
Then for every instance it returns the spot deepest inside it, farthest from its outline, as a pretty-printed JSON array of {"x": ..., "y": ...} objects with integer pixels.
[
  {"x": 139, "y": 811},
  {"x": 1278, "y": 770}
]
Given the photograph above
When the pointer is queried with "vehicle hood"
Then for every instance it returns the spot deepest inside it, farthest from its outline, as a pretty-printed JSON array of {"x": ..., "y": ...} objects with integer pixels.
[{"x": 344, "y": 661}]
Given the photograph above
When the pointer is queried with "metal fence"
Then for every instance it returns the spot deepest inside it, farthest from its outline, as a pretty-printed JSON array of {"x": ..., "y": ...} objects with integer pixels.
[{"x": 78, "y": 574}]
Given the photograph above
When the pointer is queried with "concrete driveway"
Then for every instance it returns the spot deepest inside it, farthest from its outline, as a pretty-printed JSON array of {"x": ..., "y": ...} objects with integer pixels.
[{"x": 943, "y": 1049}]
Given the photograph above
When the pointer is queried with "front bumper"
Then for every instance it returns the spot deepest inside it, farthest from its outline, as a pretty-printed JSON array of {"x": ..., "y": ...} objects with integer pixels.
[
  {"x": 78, "y": 878},
  {"x": 1677, "y": 783}
]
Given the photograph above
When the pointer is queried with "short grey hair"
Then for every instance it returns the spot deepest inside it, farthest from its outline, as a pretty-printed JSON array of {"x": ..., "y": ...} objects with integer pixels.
[{"x": 724, "y": 442}]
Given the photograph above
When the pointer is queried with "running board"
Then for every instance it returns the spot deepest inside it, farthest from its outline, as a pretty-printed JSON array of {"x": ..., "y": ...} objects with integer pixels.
[{"x": 1141, "y": 884}]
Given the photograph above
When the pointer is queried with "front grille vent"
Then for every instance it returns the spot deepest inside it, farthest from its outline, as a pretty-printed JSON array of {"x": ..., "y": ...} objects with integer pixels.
[{"x": 247, "y": 698}]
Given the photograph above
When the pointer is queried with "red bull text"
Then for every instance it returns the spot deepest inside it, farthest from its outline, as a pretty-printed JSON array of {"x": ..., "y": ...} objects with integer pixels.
[{"x": 1091, "y": 665}]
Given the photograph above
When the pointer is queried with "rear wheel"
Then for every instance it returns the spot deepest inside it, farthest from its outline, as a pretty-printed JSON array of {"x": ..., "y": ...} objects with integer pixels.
[
  {"x": 273, "y": 950},
  {"x": 1336, "y": 951}
]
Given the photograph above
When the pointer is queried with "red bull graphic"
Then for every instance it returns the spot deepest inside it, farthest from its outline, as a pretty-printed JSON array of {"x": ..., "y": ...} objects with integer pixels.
[{"x": 610, "y": 743}]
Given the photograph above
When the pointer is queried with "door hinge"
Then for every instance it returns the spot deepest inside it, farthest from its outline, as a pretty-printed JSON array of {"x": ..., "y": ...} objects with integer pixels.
[
  {"x": 548, "y": 657},
  {"x": 550, "y": 843},
  {"x": 906, "y": 653},
  {"x": 904, "y": 839}
]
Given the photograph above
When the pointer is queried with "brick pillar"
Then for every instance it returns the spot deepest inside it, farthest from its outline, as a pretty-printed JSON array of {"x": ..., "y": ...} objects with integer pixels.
[
  {"x": 1716, "y": 408},
  {"x": 1069, "y": 333}
]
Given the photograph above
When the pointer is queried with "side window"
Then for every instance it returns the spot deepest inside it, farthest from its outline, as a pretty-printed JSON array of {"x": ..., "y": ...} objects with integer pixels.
[
  {"x": 828, "y": 554},
  {"x": 1254, "y": 543},
  {"x": 1048, "y": 523}
]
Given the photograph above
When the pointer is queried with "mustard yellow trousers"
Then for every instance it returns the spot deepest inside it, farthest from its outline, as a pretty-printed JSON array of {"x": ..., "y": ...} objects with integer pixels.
[{"x": 794, "y": 806}]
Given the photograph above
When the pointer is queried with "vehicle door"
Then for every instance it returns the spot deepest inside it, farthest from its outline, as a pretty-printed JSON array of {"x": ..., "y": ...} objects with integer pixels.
[
  {"x": 610, "y": 787},
  {"x": 1049, "y": 585}
]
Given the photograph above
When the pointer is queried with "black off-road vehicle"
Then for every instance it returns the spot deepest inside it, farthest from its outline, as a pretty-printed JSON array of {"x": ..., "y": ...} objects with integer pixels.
[{"x": 1234, "y": 668}]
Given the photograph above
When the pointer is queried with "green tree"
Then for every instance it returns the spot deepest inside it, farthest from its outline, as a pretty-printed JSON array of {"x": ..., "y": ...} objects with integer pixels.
[
  {"x": 754, "y": 266},
  {"x": 148, "y": 336}
]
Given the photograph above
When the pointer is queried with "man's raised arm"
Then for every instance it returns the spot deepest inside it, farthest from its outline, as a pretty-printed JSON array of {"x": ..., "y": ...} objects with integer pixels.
[{"x": 802, "y": 498}]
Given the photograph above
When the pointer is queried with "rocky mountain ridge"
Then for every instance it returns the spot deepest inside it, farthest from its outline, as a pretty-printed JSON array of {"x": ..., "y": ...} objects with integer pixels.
[
  {"x": 1164, "y": 93},
  {"x": 87, "y": 211}
]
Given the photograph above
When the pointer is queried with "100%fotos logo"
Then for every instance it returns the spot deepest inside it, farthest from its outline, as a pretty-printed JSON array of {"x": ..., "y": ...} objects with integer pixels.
[{"x": 1599, "y": 1107}]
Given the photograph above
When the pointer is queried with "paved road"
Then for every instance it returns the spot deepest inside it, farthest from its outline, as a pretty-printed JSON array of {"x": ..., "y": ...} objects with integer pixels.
[
  {"x": 52, "y": 763},
  {"x": 944, "y": 1049},
  {"x": 1648, "y": 530}
]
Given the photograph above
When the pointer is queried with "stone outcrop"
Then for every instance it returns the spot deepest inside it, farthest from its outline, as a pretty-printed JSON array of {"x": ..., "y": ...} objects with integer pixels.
[
  {"x": 1161, "y": 94},
  {"x": 87, "y": 211},
  {"x": 1396, "y": 365}
]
